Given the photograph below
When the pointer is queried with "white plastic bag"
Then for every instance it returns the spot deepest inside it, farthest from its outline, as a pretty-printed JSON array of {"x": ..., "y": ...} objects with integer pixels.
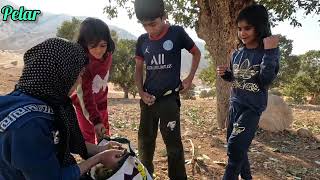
[{"x": 130, "y": 168}]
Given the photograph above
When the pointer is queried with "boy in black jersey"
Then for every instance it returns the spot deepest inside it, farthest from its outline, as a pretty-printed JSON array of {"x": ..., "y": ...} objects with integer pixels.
[{"x": 160, "y": 50}]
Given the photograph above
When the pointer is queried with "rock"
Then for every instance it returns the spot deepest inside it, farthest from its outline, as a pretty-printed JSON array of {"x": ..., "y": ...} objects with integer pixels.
[
  {"x": 190, "y": 134},
  {"x": 303, "y": 132},
  {"x": 273, "y": 159},
  {"x": 14, "y": 63},
  {"x": 220, "y": 163},
  {"x": 317, "y": 137},
  {"x": 278, "y": 115},
  {"x": 205, "y": 157}
]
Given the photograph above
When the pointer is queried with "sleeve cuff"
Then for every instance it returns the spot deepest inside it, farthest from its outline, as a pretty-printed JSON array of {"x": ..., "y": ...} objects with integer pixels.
[
  {"x": 71, "y": 172},
  {"x": 227, "y": 76},
  {"x": 96, "y": 121},
  {"x": 76, "y": 170},
  {"x": 193, "y": 49},
  {"x": 140, "y": 58},
  {"x": 274, "y": 51}
]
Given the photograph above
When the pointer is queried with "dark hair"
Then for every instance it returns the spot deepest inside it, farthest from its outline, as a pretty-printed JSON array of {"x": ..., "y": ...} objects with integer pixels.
[
  {"x": 92, "y": 31},
  {"x": 148, "y": 10},
  {"x": 257, "y": 16}
]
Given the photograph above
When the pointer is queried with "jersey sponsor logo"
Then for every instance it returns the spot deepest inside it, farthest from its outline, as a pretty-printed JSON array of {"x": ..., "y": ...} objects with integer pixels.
[
  {"x": 158, "y": 61},
  {"x": 168, "y": 66}
]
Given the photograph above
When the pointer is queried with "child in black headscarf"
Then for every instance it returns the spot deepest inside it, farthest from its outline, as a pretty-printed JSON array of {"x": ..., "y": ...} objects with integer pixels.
[{"x": 38, "y": 125}]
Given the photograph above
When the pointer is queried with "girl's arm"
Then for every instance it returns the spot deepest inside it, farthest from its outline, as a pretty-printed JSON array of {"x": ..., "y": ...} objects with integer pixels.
[
  {"x": 95, "y": 149},
  {"x": 228, "y": 70},
  {"x": 109, "y": 158},
  {"x": 228, "y": 75},
  {"x": 31, "y": 150},
  {"x": 270, "y": 62},
  {"x": 87, "y": 100},
  {"x": 269, "y": 67}
]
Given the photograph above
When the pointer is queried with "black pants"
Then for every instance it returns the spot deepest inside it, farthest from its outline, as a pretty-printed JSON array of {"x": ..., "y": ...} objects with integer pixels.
[
  {"x": 243, "y": 123},
  {"x": 167, "y": 111}
]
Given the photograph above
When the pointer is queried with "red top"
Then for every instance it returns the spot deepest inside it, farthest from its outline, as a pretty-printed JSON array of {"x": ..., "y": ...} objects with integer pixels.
[{"x": 91, "y": 93}]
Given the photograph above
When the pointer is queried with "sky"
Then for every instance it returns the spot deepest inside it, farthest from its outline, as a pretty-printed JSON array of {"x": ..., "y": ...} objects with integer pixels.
[{"x": 304, "y": 38}]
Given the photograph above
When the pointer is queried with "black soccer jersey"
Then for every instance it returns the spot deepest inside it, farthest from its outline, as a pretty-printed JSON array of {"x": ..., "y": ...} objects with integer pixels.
[{"x": 162, "y": 57}]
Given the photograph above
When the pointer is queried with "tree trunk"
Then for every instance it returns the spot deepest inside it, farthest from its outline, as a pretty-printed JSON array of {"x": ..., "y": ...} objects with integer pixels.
[
  {"x": 126, "y": 93},
  {"x": 217, "y": 27}
]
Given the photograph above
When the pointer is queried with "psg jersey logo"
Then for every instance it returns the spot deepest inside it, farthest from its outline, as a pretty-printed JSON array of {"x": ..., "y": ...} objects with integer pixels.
[{"x": 168, "y": 45}]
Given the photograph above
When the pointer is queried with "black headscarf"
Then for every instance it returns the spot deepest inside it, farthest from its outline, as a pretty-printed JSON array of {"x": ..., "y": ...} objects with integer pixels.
[{"x": 50, "y": 70}]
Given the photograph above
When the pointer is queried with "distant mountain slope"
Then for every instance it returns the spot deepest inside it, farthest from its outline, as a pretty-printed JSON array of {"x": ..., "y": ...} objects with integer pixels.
[{"x": 20, "y": 36}]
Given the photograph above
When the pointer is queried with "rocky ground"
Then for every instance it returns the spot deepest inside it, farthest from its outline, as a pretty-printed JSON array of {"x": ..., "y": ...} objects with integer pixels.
[{"x": 284, "y": 155}]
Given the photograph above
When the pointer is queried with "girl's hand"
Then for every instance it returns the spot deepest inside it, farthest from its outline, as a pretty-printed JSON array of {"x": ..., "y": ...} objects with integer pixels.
[
  {"x": 114, "y": 145},
  {"x": 271, "y": 42},
  {"x": 222, "y": 69},
  {"x": 110, "y": 158},
  {"x": 100, "y": 131},
  {"x": 111, "y": 145}
]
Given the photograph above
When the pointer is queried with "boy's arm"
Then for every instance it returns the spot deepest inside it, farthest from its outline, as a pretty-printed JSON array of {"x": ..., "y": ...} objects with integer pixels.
[
  {"x": 196, "y": 55},
  {"x": 139, "y": 75},
  {"x": 187, "y": 43},
  {"x": 146, "y": 97},
  {"x": 139, "y": 66}
]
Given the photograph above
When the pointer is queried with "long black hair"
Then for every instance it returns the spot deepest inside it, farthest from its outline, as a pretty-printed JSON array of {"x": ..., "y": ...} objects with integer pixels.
[
  {"x": 257, "y": 16},
  {"x": 92, "y": 31}
]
